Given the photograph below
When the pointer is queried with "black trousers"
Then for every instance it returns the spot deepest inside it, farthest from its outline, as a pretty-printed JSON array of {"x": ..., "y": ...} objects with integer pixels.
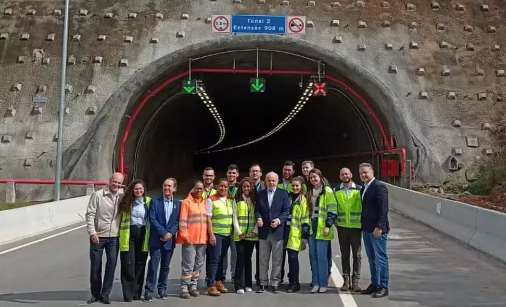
[
  {"x": 350, "y": 237},
  {"x": 110, "y": 245},
  {"x": 243, "y": 268},
  {"x": 257, "y": 262},
  {"x": 133, "y": 265},
  {"x": 293, "y": 265}
]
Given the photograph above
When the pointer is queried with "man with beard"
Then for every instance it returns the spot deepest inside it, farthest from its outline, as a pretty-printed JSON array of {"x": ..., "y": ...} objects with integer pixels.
[
  {"x": 209, "y": 187},
  {"x": 349, "y": 210},
  {"x": 288, "y": 170}
]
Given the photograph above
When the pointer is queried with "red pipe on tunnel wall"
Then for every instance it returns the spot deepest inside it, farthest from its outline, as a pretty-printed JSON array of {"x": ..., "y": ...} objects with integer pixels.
[{"x": 146, "y": 98}]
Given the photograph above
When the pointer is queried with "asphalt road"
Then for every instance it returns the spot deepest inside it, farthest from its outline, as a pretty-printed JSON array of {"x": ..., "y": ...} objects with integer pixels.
[{"x": 426, "y": 269}]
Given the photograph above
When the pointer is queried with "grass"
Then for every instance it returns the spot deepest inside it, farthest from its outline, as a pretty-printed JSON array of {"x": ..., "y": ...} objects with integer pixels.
[{"x": 4, "y": 206}]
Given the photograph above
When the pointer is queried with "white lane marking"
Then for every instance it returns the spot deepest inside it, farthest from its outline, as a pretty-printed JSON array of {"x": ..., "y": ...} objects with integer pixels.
[
  {"x": 346, "y": 297},
  {"x": 41, "y": 239}
]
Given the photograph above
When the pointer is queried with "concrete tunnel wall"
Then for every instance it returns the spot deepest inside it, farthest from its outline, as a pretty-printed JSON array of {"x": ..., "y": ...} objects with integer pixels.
[{"x": 459, "y": 49}]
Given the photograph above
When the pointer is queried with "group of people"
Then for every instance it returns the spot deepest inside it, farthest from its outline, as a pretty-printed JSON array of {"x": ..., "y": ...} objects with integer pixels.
[{"x": 275, "y": 218}]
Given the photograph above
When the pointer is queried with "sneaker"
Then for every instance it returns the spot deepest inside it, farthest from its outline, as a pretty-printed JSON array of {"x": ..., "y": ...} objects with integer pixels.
[
  {"x": 315, "y": 289},
  {"x": 185, "y": 295},
  {"x": 262, "y": 289},
  {"x": 163, "y": 296},
  {"x": 240, "y": 291},
  {"x": 195, "y": 293},
  {"x": 323, "y": 290},
  {"x": 148, "y": 297},
  {"x": 249, "y": 289}
]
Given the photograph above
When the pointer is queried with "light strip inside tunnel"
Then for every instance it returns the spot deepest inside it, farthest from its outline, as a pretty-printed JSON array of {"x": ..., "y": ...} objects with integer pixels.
[
  {"x": 308, "y": 92},
  {"x": 201, "y": 92}
]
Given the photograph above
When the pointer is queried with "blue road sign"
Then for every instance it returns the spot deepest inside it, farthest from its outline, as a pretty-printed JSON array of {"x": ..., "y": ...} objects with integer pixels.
[{"x": 258, "y": 24}]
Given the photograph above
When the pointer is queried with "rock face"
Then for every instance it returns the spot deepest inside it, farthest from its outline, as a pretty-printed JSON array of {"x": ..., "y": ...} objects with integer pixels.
[{"x": 435, "y": 69}]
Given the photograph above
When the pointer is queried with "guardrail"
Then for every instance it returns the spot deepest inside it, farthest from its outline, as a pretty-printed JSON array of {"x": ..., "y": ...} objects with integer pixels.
[
  {"x": 480, "y": 228},
  {"x": 10, "y": 191}
]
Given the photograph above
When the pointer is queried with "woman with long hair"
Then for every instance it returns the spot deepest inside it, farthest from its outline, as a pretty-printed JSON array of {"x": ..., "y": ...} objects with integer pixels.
[
  {"x": 323, "y": 212},
  {"x": 298, "y": 232},
  {"x": 192, "y": 235},
  {"x": 133, "y": 239},
  {"x": 245, "y": 234}
]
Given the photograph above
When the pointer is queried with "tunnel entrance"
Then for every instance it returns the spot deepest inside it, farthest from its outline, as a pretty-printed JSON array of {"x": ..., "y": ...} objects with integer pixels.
[{"x": 179, "y": 134}]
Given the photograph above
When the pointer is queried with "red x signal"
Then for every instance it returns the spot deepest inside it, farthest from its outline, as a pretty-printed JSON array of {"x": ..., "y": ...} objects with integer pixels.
[{"x": 319, "y": 89}]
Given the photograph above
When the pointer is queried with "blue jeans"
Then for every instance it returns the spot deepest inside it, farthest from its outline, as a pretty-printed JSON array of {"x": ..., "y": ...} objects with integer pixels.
[
  {"x": 376, "y": 250},
  {"x": 215, "y": 254},
  {"x": 159, "y": 257},
  {"x": 319, "y": 261}
]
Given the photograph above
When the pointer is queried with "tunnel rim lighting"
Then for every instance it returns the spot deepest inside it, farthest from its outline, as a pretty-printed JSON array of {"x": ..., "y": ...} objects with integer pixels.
[{"x": 304, "y": 98}]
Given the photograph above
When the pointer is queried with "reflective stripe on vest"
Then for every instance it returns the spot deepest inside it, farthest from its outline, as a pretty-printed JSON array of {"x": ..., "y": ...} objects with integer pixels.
[
  {"x": 222, "y": 216},
  {"x": 299, "y": 216},
  {"x": 326, "y": 204},
  {"x": 349, "y": 208},
  {"x": 124, "y": 230},
  {"x": 246, "y": 220}
]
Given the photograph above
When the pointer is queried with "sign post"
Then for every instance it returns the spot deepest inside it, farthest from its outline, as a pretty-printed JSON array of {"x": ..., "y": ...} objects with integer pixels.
[{"x": 258, "y": 24}]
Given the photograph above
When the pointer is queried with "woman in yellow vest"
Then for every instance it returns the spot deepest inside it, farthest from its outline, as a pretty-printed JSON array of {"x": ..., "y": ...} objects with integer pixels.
[
  {"x": 323, "y": 211},
  {"x": 219, "y": 209},
  {"x": 133, "y": 239},
  {"x": 298, "y": 233},
  {"x": 245, "y": 234}
]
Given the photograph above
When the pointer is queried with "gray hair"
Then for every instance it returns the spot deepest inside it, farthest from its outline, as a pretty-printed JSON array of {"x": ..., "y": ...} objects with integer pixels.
[
  {"x": 272, "y": 174},
  {"x": 369, "y": 165}
]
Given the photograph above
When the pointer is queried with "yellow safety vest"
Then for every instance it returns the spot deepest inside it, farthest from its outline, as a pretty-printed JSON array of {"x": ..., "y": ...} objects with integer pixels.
[
  {"x": 124, "y": 230},
  {"x": 288, "y": 187},
  {"x": 300, "y": 216},
  {"x": 207, "y": 194},
  {"x": 349, "y": 208},
  {"x": 326, "y": 203},
  {"x": 246, "y": 219},
  {"x": 222, "y": 215}
]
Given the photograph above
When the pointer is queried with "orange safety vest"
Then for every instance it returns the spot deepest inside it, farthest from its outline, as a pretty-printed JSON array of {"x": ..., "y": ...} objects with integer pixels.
[{"x": 192, "y": 221}]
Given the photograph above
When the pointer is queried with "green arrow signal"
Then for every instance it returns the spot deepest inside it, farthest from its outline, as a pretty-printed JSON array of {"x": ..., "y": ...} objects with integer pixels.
[
  {"x": 257, "y": 86},
  {"x": 188, "y": 88}
]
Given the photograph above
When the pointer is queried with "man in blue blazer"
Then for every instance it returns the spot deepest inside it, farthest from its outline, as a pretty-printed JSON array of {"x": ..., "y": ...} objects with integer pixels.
[
  {"x": 272, "y": 209},
  {"x": 375, "y": 228},
  {"x": 164, "y": 220}
]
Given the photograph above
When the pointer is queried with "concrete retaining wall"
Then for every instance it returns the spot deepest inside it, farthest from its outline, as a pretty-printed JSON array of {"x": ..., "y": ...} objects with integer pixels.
[
  {"x": 480, "y": 228},
  {"x": 37, "y": 219}
]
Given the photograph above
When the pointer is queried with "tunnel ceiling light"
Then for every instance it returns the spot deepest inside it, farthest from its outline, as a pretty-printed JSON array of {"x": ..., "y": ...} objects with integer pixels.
[
  {"x": 201, "y": 92},
  {"x": 306, "y": 94}
]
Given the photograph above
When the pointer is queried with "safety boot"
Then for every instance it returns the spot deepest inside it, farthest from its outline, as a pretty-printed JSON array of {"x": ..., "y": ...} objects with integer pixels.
[
  {"x": 346, "y": 284},
  {"x": 356, "y": 287},
  {"x": 212, "y": 291},
  {"x": 220, "y": 287}
]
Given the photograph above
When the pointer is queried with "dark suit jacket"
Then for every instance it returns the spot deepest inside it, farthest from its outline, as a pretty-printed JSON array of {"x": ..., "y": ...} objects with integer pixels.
[
  {"x": 375, "y": 207},
  {"x": 280, "y": 209},
  {"x": 159, "y": 226}
]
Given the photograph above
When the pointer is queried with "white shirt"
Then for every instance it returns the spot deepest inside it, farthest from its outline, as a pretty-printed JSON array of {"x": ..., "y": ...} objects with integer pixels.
[
  {"x": 367, "y": 186},
  {"x": 270, "y": 196}
]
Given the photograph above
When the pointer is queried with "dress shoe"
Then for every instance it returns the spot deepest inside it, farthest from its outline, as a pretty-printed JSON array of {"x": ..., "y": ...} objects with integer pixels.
[
  {"x": 106, "y": 299},
  {"x": 381, "y": 292},
  {"x": 94, "y": 299},
  {"x": 369, "y": 290}
]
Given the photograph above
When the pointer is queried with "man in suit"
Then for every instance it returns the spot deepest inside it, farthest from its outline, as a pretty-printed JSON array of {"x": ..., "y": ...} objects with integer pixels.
[
  {"x": 272, "y": 209},
  {"x": 164, "y": 220},
  {"x": 375, "y": 228}
]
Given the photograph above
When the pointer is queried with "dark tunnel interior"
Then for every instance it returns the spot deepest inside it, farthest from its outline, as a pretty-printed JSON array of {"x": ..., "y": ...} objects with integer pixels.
[{"x": 176, "y": 126}]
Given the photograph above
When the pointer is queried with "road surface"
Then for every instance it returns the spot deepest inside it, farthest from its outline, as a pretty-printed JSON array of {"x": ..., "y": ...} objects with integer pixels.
[{"x": 426, "y": 269}]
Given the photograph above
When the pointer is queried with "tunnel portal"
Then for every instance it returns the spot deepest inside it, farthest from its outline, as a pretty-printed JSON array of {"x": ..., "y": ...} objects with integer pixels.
[{"x": 179, "y": 134}]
